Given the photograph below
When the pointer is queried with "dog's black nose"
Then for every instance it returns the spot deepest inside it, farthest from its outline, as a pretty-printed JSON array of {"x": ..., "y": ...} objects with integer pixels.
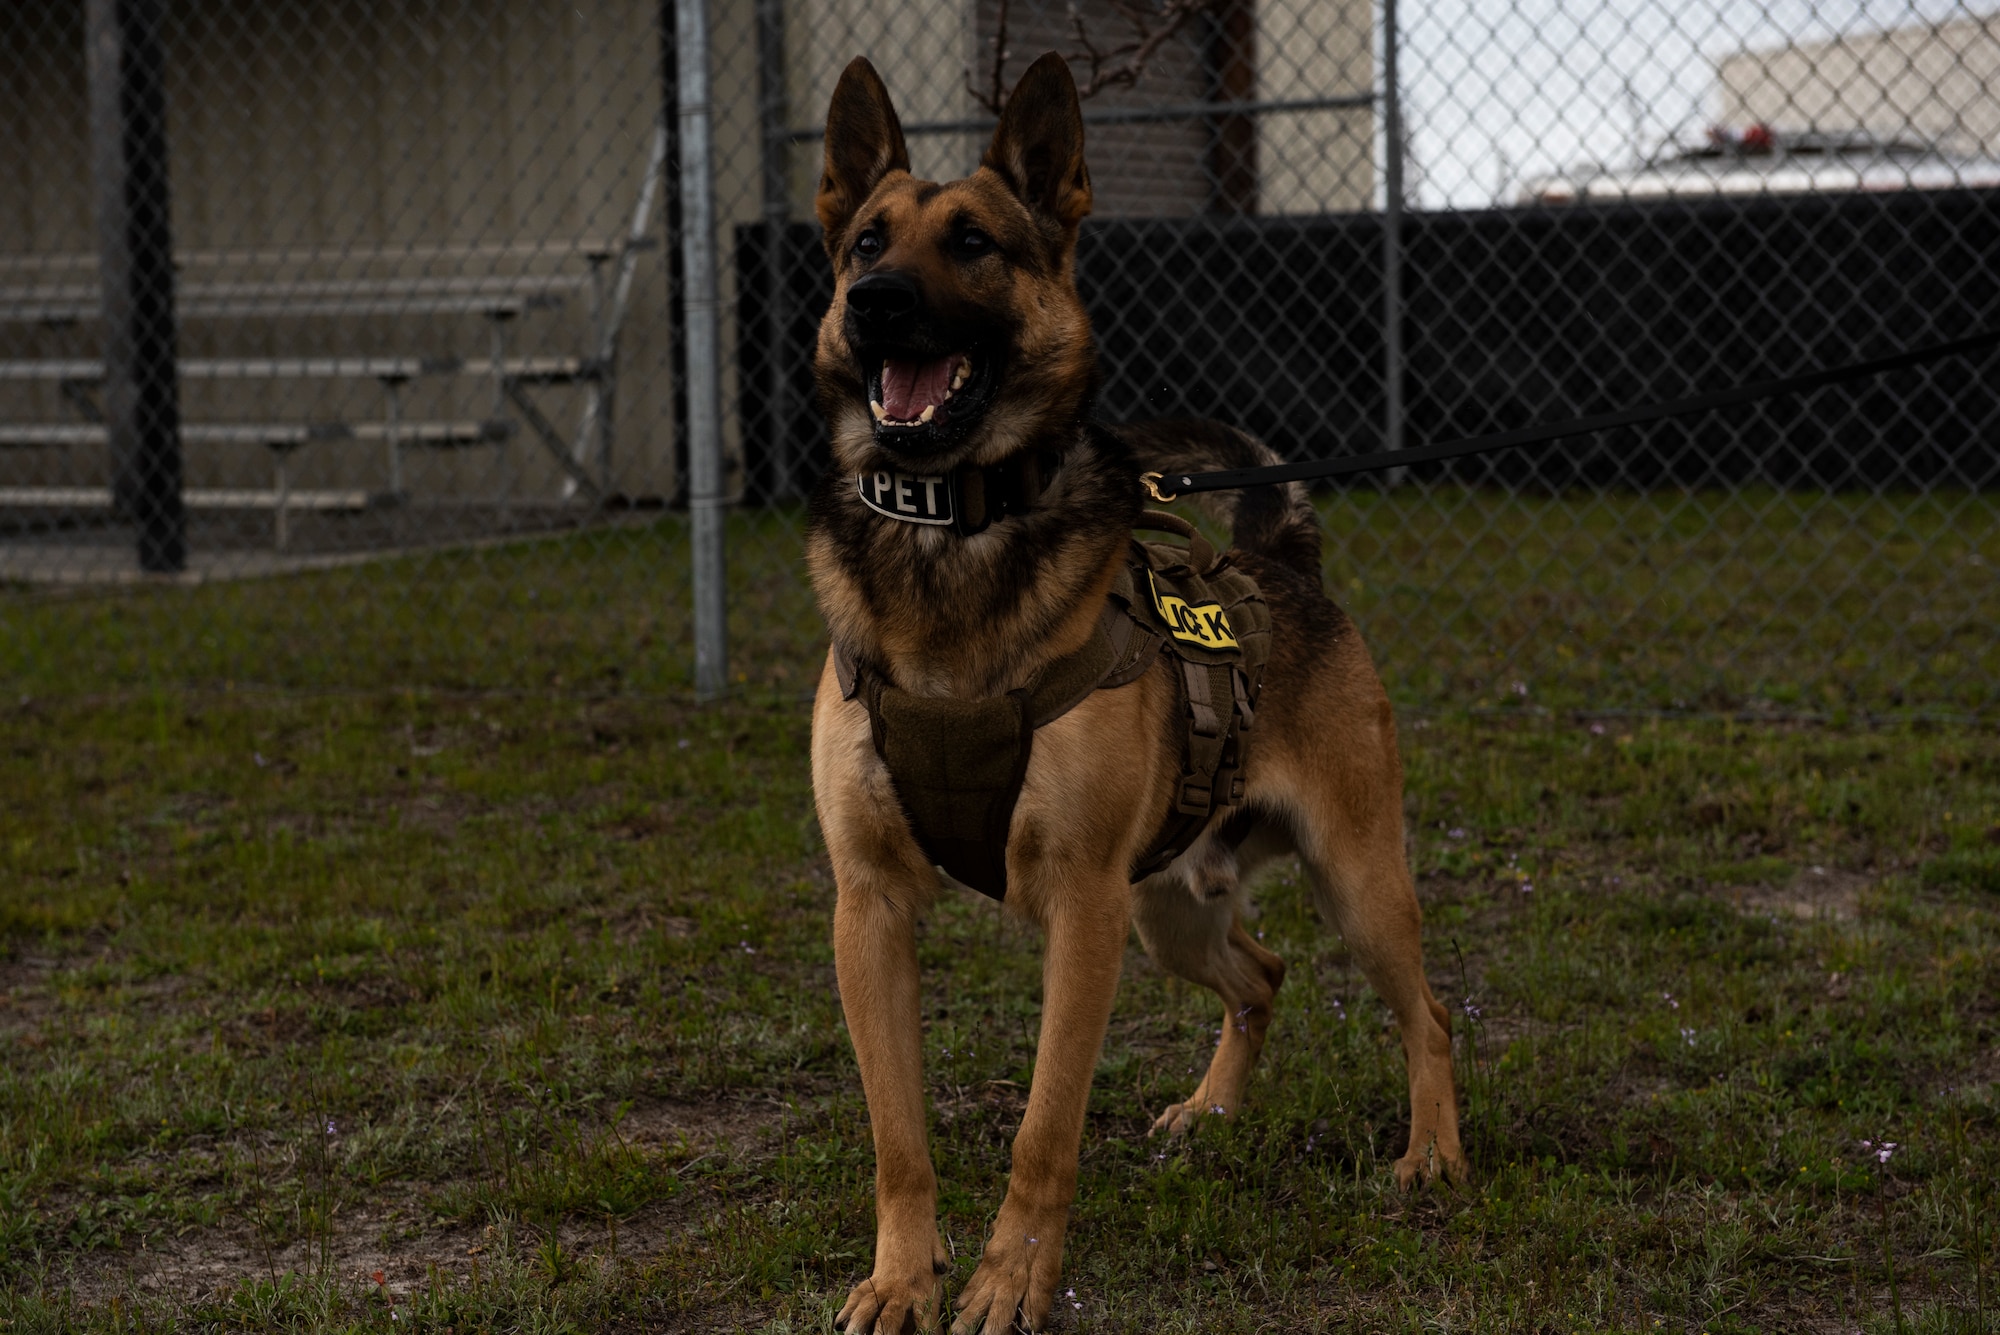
[{"x": 881, "y": 301}]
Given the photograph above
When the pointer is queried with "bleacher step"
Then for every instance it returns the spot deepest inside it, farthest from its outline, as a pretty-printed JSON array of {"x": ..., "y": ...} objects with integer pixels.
[{"x": 195, "y": 498}]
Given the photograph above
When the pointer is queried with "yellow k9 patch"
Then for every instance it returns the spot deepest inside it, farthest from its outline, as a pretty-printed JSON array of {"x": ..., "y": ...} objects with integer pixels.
[{"x": 1205, "y": 624}]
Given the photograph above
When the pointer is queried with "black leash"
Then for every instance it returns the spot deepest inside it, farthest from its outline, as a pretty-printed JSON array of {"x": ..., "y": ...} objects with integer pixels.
[{"x": 1228, "y": 478}]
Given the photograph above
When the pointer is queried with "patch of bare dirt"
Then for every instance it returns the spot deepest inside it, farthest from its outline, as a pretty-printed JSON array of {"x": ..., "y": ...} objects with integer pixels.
[
  {"x": 437, "y": 811},
  {"x": 741, "y": 1127},
  {"x": 1816, "y": 894},
  {"x": 394, "y": 1243},
  {"x": 25, "y": 999},
  {"x": 364, "y": 1242},
  {"x": 1984, "y": 1070}
]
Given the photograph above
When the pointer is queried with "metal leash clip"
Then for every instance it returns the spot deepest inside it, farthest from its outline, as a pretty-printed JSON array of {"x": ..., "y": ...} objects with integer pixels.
[{"x": 1151, "y": 482}]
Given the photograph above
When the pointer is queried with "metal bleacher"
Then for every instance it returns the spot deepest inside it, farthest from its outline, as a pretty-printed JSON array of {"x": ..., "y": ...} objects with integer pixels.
[{"x": 498, "y": 284}]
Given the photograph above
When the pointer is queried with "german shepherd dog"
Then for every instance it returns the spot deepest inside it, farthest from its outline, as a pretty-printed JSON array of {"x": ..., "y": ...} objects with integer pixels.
[{"x": 956, "y": 337}]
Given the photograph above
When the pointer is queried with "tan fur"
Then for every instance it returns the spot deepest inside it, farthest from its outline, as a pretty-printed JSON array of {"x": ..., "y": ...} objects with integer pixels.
[{"x": 1322, "y": 767}]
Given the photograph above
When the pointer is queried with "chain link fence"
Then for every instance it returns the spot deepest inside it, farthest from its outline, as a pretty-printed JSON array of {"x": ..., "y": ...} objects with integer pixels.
[{"x": 480, "y": 334}]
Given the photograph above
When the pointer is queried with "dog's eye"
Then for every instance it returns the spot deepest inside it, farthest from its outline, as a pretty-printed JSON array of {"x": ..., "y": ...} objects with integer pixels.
[
  {"x": 973, "y": 242},
  {"x": 869, "y": 244}
]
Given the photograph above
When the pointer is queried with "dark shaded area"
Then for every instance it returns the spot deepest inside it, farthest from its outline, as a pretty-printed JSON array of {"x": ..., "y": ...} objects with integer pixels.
[{"x": 1514, "y": 317}]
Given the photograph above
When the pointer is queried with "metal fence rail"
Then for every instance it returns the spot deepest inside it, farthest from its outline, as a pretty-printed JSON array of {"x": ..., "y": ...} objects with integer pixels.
[{"x": 387, "y": 319}]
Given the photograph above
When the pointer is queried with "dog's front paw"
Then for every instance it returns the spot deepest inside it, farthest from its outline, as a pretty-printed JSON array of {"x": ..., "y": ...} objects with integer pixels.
[
  {"x": 1016, "y": 1279},
  {"x": 1427, "y": 1165},
  {"x": 890, "y": 1303}
]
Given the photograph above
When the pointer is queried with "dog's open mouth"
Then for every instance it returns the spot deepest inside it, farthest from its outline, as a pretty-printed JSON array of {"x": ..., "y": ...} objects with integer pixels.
[{"x": 917, "y": 396}]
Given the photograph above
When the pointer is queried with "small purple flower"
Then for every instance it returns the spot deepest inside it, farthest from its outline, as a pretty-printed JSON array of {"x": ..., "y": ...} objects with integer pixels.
[
  {"x": 1455, "y": 832},
  {"x": 1597, "y": 730},
  {"x": 1688, "y": 1034}
]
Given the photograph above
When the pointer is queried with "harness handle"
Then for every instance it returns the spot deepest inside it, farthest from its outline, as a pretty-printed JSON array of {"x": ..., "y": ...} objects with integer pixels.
[{"x": 1201, "y": 554}]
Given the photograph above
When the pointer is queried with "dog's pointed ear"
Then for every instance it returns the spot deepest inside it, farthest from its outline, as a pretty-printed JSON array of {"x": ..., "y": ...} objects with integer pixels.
[
  {"x": 1038, "y": 147},
  {"x": 864, "y": 143}
]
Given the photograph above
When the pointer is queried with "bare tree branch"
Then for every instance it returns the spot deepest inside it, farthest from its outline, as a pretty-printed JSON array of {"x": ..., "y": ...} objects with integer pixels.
[
  {"x": 1151, "y": 30},
  {"x": 1119, "y": 66},
  {"x": 994, "y": 96}
]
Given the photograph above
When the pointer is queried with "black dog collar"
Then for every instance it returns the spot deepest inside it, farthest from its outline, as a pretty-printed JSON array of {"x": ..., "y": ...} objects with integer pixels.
[{"x": 965, "y": 500}]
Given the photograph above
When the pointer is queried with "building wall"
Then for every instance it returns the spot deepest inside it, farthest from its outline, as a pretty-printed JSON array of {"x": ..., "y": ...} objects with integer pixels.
[
  {"x": 921, "y": 48},
  {"x": 1939, "y": 83},
  {"x": 1315, "y": 161},
  {"x": 352, "y": 139},
  {"x": 1147, "y": 169},
  {"x": 1295, "y": 162}
]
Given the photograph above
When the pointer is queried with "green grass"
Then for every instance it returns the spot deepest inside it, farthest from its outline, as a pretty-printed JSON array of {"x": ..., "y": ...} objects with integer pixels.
[
  {"x": 1755, "y": 601},
  {"x": 517, "y": 990}
]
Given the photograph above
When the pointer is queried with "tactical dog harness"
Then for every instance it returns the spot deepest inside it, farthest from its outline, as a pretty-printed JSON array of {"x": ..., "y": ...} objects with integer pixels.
[{"x": 958, "y": 765}]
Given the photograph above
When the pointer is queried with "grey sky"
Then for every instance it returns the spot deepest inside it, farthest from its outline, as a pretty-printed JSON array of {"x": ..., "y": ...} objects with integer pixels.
[{"x": 1526, "y": 86}]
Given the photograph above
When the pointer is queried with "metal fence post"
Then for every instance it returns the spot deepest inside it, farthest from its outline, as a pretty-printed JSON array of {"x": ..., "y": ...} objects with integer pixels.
[
  {"x": 128, "y": 148},
  {"x": 771, "y": 115},
  {"x": 705, "y": 350},
  {"x": 1392, "y": 242},
  {"x": 706, "y": 501}
]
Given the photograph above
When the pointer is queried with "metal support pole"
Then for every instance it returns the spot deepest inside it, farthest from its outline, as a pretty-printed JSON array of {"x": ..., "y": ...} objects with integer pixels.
[
  {"x": 592, "y": 435},
  {"x": 1392, "y": 242},
  {"x": 128, "y": 149},
  {"x": 496, "y": 324},
  {"x": 771, "y": 116},
  {"x": 706, "y": 501},
  {"x": 281, "y": 537},
  {"x": 392, "y": 435}
]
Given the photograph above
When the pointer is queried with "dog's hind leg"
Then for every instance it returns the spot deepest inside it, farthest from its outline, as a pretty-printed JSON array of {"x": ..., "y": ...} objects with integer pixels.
[
  {"x": 1190, "y": 920},
  {"x": 1350, "y": 838}
]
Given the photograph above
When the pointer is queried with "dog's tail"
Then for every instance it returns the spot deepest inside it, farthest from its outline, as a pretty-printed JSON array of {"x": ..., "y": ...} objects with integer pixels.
[{"x": 1274, "y": 520}]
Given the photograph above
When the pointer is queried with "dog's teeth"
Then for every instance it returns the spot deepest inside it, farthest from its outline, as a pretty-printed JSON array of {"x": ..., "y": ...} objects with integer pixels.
[
  {"x": 881, "y": 413},
  {"x": 930, "y": 411},
  {"x": 961, "y": 375}
]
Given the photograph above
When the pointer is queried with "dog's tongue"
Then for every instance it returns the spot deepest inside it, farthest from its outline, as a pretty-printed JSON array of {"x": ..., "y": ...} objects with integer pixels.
[{"x": 910, "y": 387}]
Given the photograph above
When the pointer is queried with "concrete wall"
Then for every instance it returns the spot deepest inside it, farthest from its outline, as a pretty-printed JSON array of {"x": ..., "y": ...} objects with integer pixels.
[{"x": 1939, "y": 83}]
